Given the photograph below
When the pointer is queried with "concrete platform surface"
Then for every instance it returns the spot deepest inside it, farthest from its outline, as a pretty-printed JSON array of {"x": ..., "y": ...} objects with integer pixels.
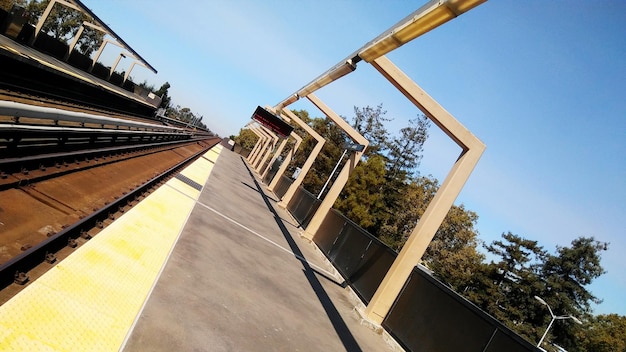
[{"x": 241, "y": 279}]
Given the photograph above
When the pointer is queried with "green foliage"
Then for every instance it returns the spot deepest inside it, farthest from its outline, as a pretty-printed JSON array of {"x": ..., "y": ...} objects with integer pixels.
[
  {"x": 386, "y": 196},
  {"x": 405, "y": 150},
  {"x": 329, "y": 155},
  {"x": 566, "y": 274},
  {"x": 8, "y": 4},
  {"x": 63, "y": 24},
  {"x": 398, "y": 222},
  {"x": 89, "y": 41},
  {"x": 147, "y": 86},
  {"x": 246, "y": 138},
  {"x": 521, "y": 270},
  {"x": 369, "y": 122},
  {"x": 603, "y": 333},
  {"x": 163, "y": 92},
  {"x": 453, "y": 253},
  {"x": 361, "y": 199}
]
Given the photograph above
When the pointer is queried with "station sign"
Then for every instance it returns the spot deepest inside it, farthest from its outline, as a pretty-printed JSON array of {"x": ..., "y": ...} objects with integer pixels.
[{"x": 272, "y": 122}]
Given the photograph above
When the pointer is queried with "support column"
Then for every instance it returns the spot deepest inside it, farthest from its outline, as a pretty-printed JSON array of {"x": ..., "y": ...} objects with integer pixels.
[
  {"x": 264, "y": 140},
  {"x": 270, "y": 148},
  {"x": 309, "y": 161},
  {"x": 77, "y": 38},
  {"x": 285, "y": 164},
  {"x": 257, "y": 145},
  {"x": 263, "y": 150},
  {"x": 46, "y": 13},
  {"x": 274, "y": 157},
  {"x": 420, "y": 238},
  {"x": 340, "y": 182}
]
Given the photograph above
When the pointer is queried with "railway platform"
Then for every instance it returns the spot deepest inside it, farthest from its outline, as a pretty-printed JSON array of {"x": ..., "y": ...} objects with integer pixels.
[
  {"x": 208, "y": 262},
  {"x": 27, "y": 63}
]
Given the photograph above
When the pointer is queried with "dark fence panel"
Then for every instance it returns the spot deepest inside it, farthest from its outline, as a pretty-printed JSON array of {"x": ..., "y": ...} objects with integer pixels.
[
  {"x": 372, "y": 270},
  {"x": 360, "y": 257},
  {"x": 79, "y": 60},
  {"x": 272, "y": 171},
  {"x": 237, "y": 148},
  {"x": 303, "y": 205},
  {"x": 51, "y": 46},
  {"x": 428, "y": 316},
  {"x": 505, "y": 340},
  {"x": 282, "y": 186},
  {"x": 3, "y": 20},
  {"x": 329, "y": 230}
]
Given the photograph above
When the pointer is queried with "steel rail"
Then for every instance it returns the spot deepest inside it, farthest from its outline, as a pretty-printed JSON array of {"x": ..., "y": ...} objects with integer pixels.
[
  {"x": 58, "y": 164},
  {"x": 36, "y": 255},
  {"x": 19, "y": 91},
  {"x": 9, "y": 108},
  {"x": 12, "y": 127},
  {"x": 90, "y": 152}
]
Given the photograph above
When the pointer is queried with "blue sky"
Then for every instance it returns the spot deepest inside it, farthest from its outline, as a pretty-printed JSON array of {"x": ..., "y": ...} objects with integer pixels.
[{"x": 540, "y": 82}]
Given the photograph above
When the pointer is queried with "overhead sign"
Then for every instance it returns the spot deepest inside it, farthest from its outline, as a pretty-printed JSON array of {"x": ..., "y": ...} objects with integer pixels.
[{"x": 271, "y": 121}]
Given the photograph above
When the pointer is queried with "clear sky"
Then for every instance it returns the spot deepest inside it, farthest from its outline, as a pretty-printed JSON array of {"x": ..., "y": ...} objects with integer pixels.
[{"x": 542, "y": 83}]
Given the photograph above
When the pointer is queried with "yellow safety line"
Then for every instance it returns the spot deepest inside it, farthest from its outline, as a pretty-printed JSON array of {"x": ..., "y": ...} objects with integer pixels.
[{"x": 90, "y": 301}]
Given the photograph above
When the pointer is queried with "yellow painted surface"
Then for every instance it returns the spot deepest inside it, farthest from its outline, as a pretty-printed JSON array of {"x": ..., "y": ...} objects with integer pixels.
[
  {"x": 89, "y": 301},
  {"x": 214, "y": 152},
  {"x": 197, "y": 171}
]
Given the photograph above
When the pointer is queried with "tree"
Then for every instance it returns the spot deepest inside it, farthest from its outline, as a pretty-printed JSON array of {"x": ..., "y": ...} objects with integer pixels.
[
  {"x": 522, "y": 269},
  {"x": 89, "y": 41},
  {"x": 163, "y": 92},
  {"x": 369, "y": 122},
  {"x": 603, "y": 333},
  {"x": 405, "y": 151},
  {"x": 507, "y": 285},
  {"x": 361, "y": 200},
  {"x": 329, "y": 155},
  {"x": 566, "y": 274},
  {"x": 397, "y": 224},
  {"x": 8, "y": 4},
  {"x": 453, "y": 253},
  {"x": 246, "y": 138},
  {"x": 517, "y": 255},
  {"x": 63, "y": 23},
  {"x": 403, "y": 156}
]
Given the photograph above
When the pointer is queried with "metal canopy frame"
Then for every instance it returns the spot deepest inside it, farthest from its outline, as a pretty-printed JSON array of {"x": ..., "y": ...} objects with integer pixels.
[
  {"x": 285, "y": 164},
  {"x": 426, "y": 18},
  {"x": 288, "y": 115},
  {"x": 100, "y": 25}
]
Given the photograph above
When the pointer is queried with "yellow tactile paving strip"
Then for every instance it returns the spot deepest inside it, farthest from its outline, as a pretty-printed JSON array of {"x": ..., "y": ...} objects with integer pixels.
[{"x": 90, "y": 301}]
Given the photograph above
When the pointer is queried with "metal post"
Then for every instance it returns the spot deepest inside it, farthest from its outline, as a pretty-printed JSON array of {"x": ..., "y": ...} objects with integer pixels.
[
  {"x": 546, "y": 332},
  {"x": 309, "y": 161},
  {"x": 422, "y": 234},
  {"x": 283, "y": 167},
  {"x": 332, "y": 173}
]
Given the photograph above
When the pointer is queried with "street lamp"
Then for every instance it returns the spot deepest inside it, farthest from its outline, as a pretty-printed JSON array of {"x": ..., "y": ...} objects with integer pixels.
[
  {"x": 119, "y": 57},
  {"x": 554, "y": 317},
  {"x": 353, "y": 147}
]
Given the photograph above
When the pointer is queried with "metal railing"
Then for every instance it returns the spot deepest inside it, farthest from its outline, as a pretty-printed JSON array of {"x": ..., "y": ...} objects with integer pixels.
[
  {"x": 427, "y": 315},
  {"x": 282, "y": 186},
  {"x": 303, "y": 206}
]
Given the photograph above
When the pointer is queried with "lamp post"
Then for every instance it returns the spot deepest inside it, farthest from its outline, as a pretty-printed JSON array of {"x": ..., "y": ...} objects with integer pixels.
[
  {"x": 119, "y": 57},
  {"x": 554, "y": 317},
  {"x": 348, "y": 147}
]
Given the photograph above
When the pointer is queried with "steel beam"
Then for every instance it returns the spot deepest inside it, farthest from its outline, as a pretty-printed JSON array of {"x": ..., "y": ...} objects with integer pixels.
[{"x": 422, "y": 234}]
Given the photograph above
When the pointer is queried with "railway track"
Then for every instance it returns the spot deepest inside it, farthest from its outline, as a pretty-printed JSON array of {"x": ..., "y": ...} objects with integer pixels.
[
  {"x": 31, "y": 96},
  {"x": 62, "y": 180}
]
